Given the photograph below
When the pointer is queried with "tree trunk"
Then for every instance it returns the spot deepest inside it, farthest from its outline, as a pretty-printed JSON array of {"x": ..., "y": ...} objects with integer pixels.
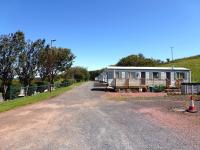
[
  {"x": 65, "y": 77},
  {"x": 26, "y": 92},
  {"x": 5, "y": 88},
  {"x": 49, "y": 84},
  {"x": 52, "y": 83}
]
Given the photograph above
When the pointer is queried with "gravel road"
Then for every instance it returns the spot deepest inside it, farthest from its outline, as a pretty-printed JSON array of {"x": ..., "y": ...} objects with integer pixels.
[{"x": 82, "y": 119}]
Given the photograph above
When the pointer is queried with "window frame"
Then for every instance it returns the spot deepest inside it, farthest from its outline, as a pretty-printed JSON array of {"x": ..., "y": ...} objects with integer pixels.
[
  {"x": 178, "y": 75},
  {"x": 132, "y": 75},
  {"x": 157, "y": 75},
  {"x": 117, "y": 75}
]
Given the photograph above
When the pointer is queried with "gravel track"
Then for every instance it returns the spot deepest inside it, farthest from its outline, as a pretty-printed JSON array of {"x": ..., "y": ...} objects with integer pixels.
[{"x": 82, "y": 119}]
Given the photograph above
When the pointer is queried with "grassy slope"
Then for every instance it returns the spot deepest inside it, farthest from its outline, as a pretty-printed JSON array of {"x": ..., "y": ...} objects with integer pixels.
[
  {"x": 8, "y": 105},
  {"x": 192, "y": 63}
]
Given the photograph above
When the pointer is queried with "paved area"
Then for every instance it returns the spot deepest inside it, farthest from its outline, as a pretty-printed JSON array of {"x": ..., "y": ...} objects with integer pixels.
[{"x": 82, "y": 119}]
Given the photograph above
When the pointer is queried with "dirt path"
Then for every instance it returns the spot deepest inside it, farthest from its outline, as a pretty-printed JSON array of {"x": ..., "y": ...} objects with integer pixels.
[{"x": 85, "y": 119}]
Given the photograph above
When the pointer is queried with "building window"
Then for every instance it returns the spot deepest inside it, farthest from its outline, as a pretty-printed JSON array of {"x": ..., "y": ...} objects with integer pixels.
[
  {"x": 137, "y": 74},
  {"x": 156, "y": 75},
  {"x": 120, "y": 75},
  {"x": 180, "y": 75},
  {"x": 110, "y": 75},
  {"x": 117, "y": 75},
  {"x": 132, "y": 75}
]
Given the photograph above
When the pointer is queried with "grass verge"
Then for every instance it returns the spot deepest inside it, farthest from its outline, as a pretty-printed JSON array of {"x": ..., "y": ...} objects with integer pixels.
[
  {"x": 8, "y": 105},
  {"x": 192, "y": 63}
]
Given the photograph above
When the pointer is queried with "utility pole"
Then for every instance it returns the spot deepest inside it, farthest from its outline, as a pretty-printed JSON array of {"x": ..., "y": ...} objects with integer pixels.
[
  {"x": 52, "y": 42},
  {"x": 172, "y": 53},
  {"x": 50, "y": 77}
]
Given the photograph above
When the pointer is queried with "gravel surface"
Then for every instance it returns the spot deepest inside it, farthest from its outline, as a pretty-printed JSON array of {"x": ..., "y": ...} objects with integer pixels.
[{"x": 83, "y": 119}]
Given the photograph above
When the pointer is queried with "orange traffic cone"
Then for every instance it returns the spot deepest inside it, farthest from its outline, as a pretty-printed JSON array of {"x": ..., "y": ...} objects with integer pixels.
[{"x": 192, "y": 107}]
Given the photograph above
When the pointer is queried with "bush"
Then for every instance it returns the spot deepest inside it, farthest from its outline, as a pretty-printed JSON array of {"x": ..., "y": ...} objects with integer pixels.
[
  {"x": 37, "y": 86},
  {"x": 77, "y": 73},
  {"x": 159, "y": 88},
  {"x": 31, "y": 90},
  {"x": 41, "y": 86},
  {"x": 13, "y": 91},
  {"x": 67, "y": 82}
]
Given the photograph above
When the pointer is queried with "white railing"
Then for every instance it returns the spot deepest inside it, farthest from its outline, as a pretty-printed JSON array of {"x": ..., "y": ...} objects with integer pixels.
[
  {"x": 121, "y": 83},
  {"x": 140, "y": 82}
]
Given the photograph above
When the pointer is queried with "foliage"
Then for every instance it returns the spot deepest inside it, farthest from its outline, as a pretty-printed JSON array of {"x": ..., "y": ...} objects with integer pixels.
[
  {"x": 167, "y": 60},
  {"x": 138, "y": 60},
  {"x": 41, "y": 86},
  {"x": 54, "y": 60},
  {"x": 192, "y": 63},
  {"x": 159, "y": 88},
  {"x": 95, "y": 73},
  {"x": 78, "y": 74},
  {"x": 10, "y": 46},
  {"x": 33, "y": 88},
  {"x": 8, "y": 105},
  {"x": 69, "y": 81},
  {"x": 28, "y": 60}
]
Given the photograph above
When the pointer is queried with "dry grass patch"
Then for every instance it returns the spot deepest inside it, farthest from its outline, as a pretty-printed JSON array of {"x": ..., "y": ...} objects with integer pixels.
[{"x": 135, "y": 96}]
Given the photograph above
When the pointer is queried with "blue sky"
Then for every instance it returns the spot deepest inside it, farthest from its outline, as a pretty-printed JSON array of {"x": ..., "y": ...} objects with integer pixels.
[{"x": 100, "y": 32}]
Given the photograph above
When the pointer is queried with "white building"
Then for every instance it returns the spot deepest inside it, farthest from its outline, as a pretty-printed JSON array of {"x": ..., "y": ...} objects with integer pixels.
[{"x": 131, "y": 77}]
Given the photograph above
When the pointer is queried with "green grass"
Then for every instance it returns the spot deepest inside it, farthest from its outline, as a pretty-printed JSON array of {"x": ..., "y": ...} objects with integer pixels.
[
  {"x": 8, "y": 105},
  {"x": 192, "y": 63}
]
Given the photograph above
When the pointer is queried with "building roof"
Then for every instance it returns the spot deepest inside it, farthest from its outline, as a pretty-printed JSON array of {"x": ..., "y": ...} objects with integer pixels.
[{"x": 147, "y": 68}]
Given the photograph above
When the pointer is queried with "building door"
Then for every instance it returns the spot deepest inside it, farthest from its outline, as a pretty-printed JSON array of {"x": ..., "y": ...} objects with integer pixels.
[
  {"x": 143, "y": 78},
  {"x": 168, "y": 78}
]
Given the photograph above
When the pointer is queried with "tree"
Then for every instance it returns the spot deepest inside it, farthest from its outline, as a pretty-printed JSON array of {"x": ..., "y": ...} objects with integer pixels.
[
  {"x": 53, "y": 61},
  {"x": 95, "y": 73},
  {"x": 27, "y": 62},
  {"x": 10, "y": 46},
  {"x": 138, "y": 60},
  {"x": 168, "y": 60},
  {"x": 141, "y": 55},
  {"x": 78, "y": 73}
]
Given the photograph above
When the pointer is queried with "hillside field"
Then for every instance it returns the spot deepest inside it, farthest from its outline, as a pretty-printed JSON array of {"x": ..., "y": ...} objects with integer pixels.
[{"x": 192, "y": 63}]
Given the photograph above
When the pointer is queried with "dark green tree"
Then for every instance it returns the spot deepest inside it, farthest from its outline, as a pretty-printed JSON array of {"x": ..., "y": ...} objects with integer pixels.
[
  {"x": 53, "y": 61},
  {"x": 78, "y": 73},
  {"x": 138, "y": 60},
  {"x": 27, "y": 62},
  {"x": 95, "y": 73},
  {"x": 10, "y": 47},
  {"x": 167, "y": 60}
]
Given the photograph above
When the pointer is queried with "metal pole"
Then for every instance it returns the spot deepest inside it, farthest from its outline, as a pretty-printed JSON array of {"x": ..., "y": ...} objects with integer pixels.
[
  {"x": 172, "y": 53},
  {"x": 49, "y": 84},
  {"x": 52, "y": 42}
]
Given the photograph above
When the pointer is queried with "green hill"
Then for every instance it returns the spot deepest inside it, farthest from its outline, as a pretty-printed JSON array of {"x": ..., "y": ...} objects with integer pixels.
[{"x": 192, "y": 63}]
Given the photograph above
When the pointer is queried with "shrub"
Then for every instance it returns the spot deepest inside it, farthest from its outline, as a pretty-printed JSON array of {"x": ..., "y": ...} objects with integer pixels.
[{"x": 159, "y": 88}]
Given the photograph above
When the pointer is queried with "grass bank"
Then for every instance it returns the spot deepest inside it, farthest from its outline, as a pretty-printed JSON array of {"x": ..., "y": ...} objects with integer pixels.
[
  {"x": 8, "y": 105},
  {"x": 192, "y": 63}
]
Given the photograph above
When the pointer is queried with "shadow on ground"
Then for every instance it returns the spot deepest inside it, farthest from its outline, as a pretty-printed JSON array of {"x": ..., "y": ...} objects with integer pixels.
[{"x": 102, "y": 89}]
